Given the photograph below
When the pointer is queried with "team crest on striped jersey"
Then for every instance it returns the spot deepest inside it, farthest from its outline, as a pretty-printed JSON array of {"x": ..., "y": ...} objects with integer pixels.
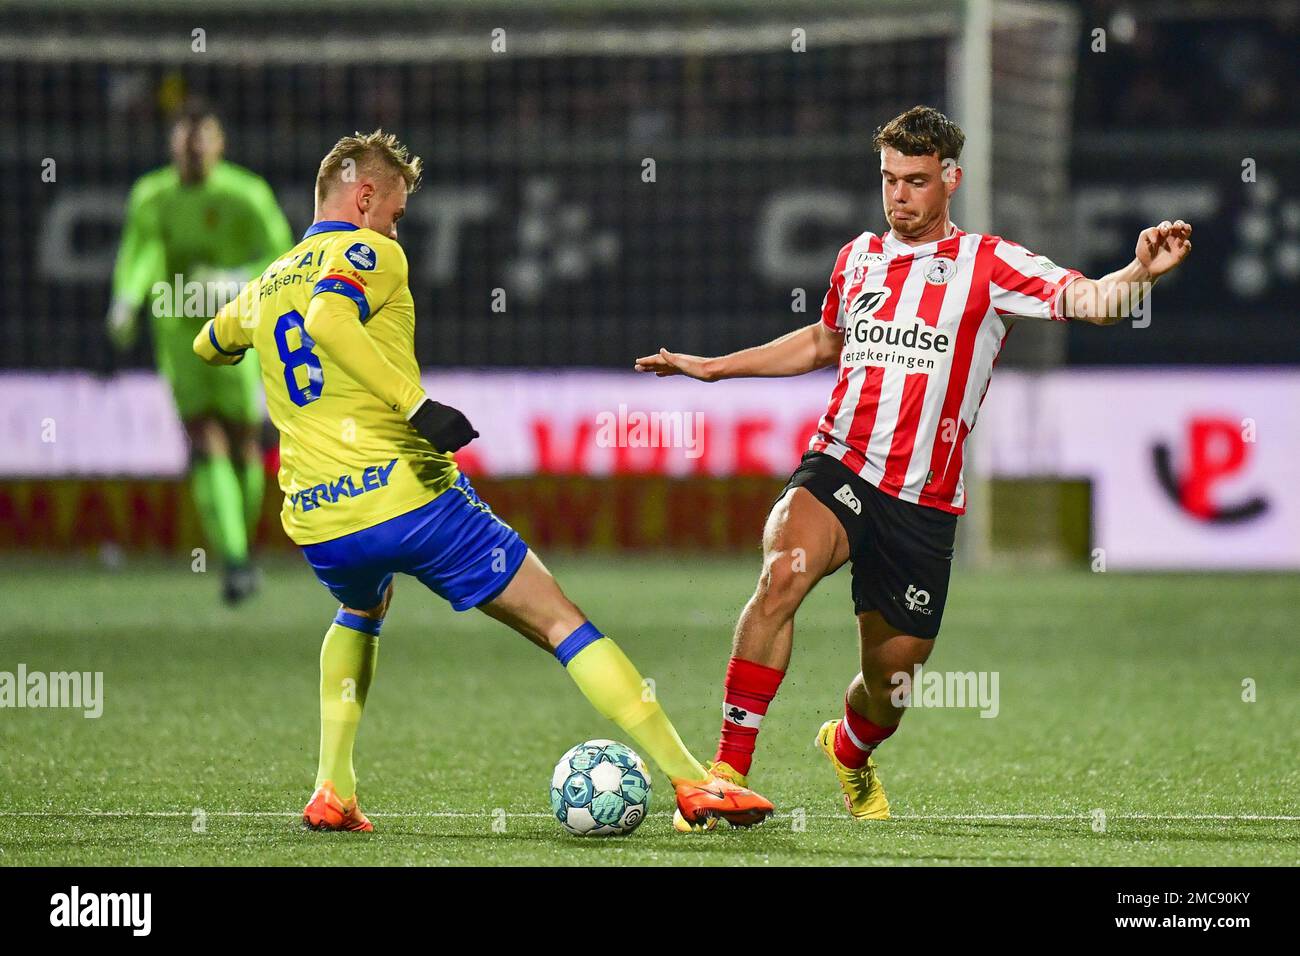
[{"x": 939, "y": 270}]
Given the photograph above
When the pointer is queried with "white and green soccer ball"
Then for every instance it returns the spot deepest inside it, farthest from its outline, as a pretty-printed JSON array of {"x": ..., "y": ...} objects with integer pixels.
[{"x": 600, "y": 788}]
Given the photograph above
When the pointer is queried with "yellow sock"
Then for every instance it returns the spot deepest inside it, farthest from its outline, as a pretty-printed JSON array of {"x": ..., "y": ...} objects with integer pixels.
[
  {"x": 615, "y": 688},
  {"x": 347, "y": 664}
]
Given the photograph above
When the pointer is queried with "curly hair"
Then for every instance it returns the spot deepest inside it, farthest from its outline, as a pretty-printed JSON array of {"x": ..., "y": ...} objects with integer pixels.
[{"x": 920, "y": 131}]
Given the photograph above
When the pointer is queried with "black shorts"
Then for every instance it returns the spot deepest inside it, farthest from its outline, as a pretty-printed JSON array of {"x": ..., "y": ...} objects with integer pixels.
[{"x": 901, "y": 552}]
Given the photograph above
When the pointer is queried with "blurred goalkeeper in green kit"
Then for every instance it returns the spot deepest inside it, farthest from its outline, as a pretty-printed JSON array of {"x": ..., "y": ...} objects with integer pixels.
[{"x": 195, "y": 232}]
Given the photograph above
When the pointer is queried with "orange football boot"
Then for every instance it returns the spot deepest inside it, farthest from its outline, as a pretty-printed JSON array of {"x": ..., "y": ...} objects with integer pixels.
[
  {"x": 325, "y": 811},
  {"x": 719, "y": 798}
]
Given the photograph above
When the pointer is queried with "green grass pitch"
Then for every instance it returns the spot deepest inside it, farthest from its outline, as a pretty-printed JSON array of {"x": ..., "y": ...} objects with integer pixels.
[{"x": 1118, "y": 693}]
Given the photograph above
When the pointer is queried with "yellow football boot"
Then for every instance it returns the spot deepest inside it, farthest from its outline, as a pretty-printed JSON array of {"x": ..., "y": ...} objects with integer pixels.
[{"x": 863, "y": 794}]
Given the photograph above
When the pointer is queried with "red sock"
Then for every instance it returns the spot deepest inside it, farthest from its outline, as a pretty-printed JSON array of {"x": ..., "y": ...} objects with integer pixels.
[
  {"x": 749, "y": 689},
  {"x": 856, "y": 737}
]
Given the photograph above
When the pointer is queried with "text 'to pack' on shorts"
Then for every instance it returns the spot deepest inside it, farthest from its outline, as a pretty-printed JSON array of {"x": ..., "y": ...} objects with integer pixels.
[
  {"x": 901, "y": 552},
  {"x": 454, "y": 545}
]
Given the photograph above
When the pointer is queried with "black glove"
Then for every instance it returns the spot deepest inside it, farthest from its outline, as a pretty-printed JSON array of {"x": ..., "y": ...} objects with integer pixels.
[{"x": 445, "y": 428}]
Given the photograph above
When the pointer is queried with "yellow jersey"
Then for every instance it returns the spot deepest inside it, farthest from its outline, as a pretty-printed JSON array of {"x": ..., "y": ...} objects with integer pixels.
[{"x": 333, "y": 323}]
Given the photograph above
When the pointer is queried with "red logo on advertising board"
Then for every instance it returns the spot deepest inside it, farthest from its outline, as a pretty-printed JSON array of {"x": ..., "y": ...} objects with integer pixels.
[{"x": 1216, "y": 450}]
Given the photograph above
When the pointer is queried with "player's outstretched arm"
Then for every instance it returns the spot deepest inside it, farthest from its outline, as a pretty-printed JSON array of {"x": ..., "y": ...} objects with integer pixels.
[
  {"x": 332, "y": 322},
  {"x": 225, "y": 337},
  {"x": 1114, "y": 297},
  {"x": 812, "y": 347}
]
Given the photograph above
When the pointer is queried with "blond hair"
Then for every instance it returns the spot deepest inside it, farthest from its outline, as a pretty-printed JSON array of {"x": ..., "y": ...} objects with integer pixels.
[{"x": 363, "y": 154}]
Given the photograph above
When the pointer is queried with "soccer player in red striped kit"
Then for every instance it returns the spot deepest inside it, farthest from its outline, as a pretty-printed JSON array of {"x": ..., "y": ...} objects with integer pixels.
[{"x": 915, "y": 318}]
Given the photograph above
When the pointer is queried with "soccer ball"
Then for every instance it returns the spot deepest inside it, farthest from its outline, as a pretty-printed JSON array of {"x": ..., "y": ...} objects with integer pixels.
[{"x": 600, "y": 788}]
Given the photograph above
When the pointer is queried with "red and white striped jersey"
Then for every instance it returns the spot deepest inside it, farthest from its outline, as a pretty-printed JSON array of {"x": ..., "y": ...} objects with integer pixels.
[{"x": 922, "y": 327}]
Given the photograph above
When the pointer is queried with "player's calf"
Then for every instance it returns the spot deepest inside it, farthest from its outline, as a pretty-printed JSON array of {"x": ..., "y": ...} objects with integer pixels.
[
  {"x": 349, "y": 657},
  {"x": 872, "y": 712},
  {"x": 889, "y": 658},
  {"x": 802, "y": 543}
]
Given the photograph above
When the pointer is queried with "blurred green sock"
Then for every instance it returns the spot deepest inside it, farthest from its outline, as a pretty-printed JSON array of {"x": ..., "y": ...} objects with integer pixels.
[
  {"x": 221, "y": 507},
  {"x": 252, "y": 486}
]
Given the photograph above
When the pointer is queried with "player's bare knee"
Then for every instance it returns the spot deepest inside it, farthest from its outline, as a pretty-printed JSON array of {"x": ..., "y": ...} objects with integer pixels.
[
  {"x": 534, "y": 605},
  {"x": 782, "y": 585}
]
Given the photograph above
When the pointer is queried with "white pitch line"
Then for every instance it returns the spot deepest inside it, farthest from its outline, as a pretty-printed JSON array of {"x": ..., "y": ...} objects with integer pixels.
[{"x": 456, "y": 814}]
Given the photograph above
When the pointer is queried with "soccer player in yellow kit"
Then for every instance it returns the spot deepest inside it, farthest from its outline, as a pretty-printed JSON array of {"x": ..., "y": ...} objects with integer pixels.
[{"x": 371, "y": 486}]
